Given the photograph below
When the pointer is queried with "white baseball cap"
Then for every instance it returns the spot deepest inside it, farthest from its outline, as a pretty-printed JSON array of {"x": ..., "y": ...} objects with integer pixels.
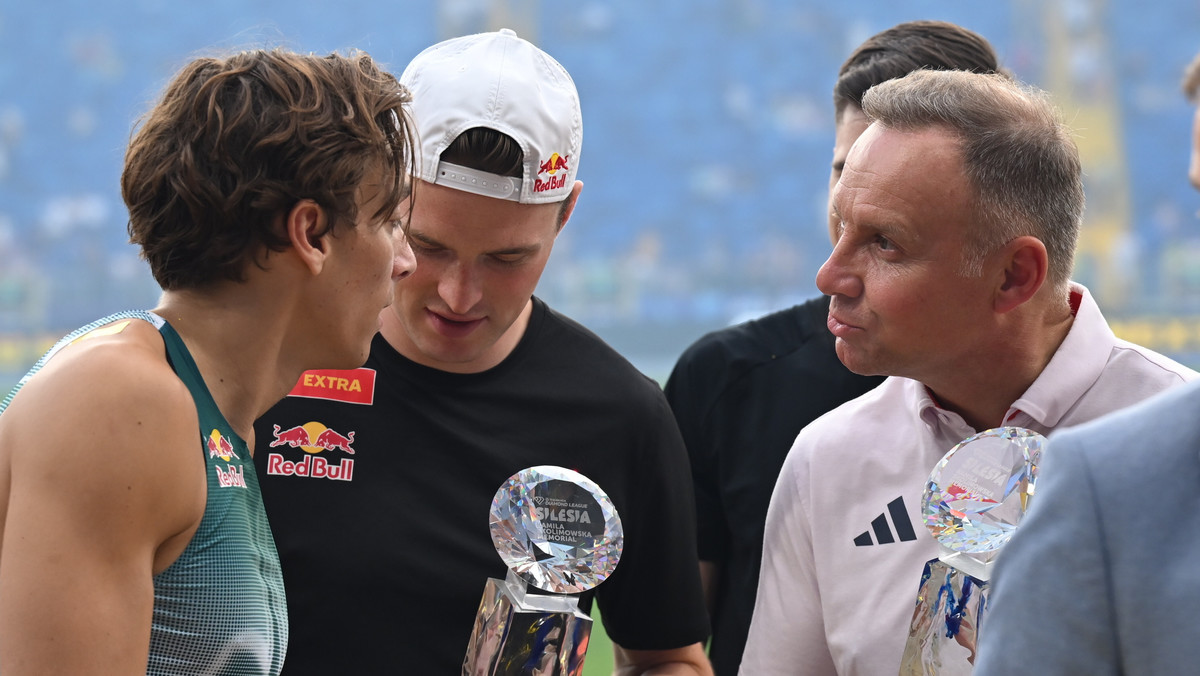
[{"x": 499, "y": 81}]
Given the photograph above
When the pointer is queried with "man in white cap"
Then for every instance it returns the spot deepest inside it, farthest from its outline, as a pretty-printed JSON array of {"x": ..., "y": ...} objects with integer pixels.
[{"x": 379, "y": 481}]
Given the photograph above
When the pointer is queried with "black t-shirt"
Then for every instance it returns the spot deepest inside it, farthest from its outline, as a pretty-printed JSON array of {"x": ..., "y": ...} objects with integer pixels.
[
  {"x": 741, "y": 395},
  {"x": 386, "y": 550}
]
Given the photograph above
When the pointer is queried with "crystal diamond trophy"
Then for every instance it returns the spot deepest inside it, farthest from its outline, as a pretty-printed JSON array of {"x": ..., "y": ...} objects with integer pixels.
[
  {"x": 556, "y": 530},
  {"x": 973, "y": 501}
]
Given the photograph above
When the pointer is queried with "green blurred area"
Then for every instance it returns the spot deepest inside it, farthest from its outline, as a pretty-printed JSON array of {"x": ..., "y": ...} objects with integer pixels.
[{"x": 599, "y": 661}]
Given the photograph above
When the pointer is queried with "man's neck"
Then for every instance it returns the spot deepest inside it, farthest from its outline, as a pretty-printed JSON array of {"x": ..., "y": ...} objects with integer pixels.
[
  {"x": 984, "y": 392},
  {"x": 244, "y": 377}
]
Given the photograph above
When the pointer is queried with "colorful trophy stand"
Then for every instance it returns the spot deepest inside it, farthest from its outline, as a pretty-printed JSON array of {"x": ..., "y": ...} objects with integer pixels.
[{"x": 972, "y": 503}]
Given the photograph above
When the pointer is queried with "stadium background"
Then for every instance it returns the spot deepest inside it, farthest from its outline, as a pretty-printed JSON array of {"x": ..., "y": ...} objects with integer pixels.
[{"x": 707, "y": 141}]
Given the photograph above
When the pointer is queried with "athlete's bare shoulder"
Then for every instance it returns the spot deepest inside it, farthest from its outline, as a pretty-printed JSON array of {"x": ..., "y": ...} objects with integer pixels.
[
  {"x": 102, "y": 484},
  {"x": 119, "y": 370},
  {"x": 107, "y": 417}
]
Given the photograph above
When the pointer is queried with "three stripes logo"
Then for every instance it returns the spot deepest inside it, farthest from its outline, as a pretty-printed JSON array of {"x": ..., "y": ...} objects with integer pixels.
[{"x": 883, "y": 534}]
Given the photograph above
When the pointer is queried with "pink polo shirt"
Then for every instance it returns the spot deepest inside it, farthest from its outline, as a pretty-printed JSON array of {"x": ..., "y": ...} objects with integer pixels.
[{"x": 845, "y": 542}]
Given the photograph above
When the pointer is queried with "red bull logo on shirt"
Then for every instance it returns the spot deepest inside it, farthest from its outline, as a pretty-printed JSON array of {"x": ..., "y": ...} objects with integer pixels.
[
  {"x": 552, "y": 166},
  {"x": 313, "y": 438}
]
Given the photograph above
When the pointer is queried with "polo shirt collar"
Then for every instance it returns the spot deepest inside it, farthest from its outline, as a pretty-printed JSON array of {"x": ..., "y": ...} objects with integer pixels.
[{"x": 1075, "y": 367}]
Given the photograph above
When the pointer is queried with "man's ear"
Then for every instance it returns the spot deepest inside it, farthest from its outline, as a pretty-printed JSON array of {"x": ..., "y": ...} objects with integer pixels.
[
  {"x": 1025, "y": 268},
  {"x": 568, "y": 206},
  {"x": 306, "y": 227}
]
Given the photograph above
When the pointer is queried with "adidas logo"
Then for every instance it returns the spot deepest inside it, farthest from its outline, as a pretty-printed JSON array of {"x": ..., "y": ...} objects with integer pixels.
[{"x": 883, "y": 534}]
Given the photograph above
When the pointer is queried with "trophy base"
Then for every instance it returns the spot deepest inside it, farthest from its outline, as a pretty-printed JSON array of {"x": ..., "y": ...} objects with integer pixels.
[
  {"x": 978, "y": 565},
  {"x": 944, "y": 634},
  {"x": 522, "y": 634}
]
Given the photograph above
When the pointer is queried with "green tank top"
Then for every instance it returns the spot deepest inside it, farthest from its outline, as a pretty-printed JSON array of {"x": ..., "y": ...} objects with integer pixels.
[{"x": 219, "y": 608}]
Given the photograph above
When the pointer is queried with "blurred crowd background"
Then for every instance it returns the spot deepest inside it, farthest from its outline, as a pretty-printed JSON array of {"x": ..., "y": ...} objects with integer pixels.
[{"x": 708, "y": 129}]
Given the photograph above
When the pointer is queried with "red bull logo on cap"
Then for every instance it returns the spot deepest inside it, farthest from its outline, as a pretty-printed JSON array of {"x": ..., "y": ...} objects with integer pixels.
[
  {"x": 555, "y": 164},
  {"x": 354, "y": 386},
  {"x": 552, "y": 166},
  {"x": 312, "y": 438}
]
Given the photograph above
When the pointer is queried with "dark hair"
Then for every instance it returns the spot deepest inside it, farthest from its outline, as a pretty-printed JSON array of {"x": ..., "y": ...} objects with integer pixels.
[
  {"x": 236, "y": 142},
  {"x": 487, "y": 150},
  {"x": 1018, "y": 157},
  {"x": 905, "y": 47},
  {"x": 493, "y": 151}
]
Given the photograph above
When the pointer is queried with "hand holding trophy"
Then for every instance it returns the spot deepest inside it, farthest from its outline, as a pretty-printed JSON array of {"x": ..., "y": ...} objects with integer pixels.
[
  {"x": 972, "y": 503},
  {"x": 557, "y": 530}
]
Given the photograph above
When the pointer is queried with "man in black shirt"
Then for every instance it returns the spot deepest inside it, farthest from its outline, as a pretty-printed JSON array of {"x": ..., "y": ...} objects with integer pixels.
[
  {"x": 378, "y": 481},
  {"x": 742, "y": 394}
]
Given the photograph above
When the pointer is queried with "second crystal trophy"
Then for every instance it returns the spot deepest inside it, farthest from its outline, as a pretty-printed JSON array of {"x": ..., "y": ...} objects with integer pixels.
[
  {"x": 972, "y": 503},
  {"x": 558, "y": 531}
]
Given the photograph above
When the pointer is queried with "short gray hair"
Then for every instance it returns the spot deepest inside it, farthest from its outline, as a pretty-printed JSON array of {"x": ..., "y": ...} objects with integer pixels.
[{"x": 1018, "y": 156}]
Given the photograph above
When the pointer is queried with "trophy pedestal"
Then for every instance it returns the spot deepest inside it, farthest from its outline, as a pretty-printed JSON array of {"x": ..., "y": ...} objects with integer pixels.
[
  {"x": 973, "y": 501},
  {"x": 977, "y": 565},
  {"x": 521, "y": 634},
  {"x": 944, "y": 634},
  {"x": 562, "y": 533}
]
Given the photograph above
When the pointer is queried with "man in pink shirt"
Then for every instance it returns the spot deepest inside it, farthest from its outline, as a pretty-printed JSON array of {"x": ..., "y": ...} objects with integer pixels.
[{"x": 958, "y": 209}]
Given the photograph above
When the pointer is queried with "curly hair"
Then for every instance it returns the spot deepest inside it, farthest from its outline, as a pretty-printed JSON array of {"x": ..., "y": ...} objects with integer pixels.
[{"x": 235, "y": 142}]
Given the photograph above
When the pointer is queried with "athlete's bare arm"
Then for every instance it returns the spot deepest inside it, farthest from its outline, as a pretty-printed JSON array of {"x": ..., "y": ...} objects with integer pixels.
[
  {"x": 101, "y": 486},
  {"x": 687, "y": 661}
]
